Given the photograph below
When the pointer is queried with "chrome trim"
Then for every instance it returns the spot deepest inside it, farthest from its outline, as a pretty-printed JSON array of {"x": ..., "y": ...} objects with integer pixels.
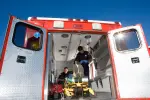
[{"x": 48, "y": 65}]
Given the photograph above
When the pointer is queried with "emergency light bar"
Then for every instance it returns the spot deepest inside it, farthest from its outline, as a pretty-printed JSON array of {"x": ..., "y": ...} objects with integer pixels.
[
  {"x": 44, "y": 18},
  {"x": 67, "y": 19}
]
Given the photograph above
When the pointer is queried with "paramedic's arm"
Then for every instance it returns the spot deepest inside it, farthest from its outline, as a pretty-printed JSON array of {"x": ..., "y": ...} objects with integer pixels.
[
  {"x": 74, "y": 70},
  {"x": 76, "y": 61},
  {"x": 59, "y": 77},
  {"x": 89, "y": 57}
]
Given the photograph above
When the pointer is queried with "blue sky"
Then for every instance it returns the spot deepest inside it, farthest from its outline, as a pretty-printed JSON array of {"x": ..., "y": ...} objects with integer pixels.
[{"x": 128, "y": 12}]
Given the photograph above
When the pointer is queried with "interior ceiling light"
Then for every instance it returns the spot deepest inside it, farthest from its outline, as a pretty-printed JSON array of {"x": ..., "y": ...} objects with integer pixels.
[
  {"x": 87, "y": 37},
  {"x": 60, "y": 50},
  {"x": 64, "y": 35}
]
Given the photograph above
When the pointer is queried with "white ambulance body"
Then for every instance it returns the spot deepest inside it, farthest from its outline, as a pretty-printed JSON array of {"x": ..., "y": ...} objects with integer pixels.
[{"x": 121, "y": 57}]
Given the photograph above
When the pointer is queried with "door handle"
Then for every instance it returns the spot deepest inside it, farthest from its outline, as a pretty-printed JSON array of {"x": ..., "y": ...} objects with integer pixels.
[
  {"x": 21, "y": 59},
  {"x": 135, "y": 60}
]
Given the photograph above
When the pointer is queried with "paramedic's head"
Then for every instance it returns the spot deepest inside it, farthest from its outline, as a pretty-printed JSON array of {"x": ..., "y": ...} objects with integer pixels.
[
  {"x": 66, "y": 70},
  {"x": 80, "y": 49}
]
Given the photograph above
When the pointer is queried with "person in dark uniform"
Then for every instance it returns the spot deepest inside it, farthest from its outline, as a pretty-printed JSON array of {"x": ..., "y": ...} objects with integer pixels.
[
  {"x": 83, "y": 57},
  {"x": 63, "y": 75}
]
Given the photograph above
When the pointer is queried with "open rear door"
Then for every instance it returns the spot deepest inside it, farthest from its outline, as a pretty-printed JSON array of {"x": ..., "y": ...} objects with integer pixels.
[
  {"x": 130, "y": 62},
  {"x": 23, "y": 62}
]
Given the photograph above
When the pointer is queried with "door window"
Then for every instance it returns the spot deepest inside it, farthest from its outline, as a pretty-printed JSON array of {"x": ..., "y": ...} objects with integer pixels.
[
  {"x": 27, "y": 36},
  {"x": 127, "y": 40}
]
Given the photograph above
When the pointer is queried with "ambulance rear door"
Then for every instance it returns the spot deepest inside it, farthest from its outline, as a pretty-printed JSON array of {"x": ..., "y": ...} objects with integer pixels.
[
  {"x": 130, "y": 62},
  {"x": 23, "y": 62}
]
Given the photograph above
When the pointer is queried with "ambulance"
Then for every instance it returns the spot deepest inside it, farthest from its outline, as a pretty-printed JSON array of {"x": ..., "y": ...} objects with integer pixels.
[{"x": 36, "y": 50}]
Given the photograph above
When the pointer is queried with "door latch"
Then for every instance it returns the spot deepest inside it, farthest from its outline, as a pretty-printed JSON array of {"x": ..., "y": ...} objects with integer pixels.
[
  {"x": 135, "y": 60},
  {"x": 21, "y": 59}
]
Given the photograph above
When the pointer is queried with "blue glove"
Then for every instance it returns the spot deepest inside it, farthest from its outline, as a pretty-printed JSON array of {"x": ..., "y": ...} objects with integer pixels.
[{"x": 83, "y": 61}]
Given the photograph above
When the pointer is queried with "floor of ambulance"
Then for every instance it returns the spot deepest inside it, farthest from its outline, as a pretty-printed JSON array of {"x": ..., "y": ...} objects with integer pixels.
[{"x": 100, "y": 96}]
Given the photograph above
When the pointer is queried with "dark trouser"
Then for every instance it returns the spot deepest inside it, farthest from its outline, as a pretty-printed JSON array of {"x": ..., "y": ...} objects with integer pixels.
[{"x": 86, "y": 69}]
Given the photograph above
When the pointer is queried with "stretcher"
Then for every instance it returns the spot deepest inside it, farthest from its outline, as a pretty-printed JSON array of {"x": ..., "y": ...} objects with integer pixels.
[{"x": 78, "y": 87}]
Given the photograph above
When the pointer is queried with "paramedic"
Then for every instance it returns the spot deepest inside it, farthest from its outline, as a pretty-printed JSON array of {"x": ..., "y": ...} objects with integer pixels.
[
  {"x": 64, "y": 75},
  {"x": 83, "y": 57}
]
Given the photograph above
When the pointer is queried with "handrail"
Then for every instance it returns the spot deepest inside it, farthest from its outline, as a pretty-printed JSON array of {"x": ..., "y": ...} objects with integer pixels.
[
  {"x": 101, "y": 76},
  {"x": 107, "y": 67}
]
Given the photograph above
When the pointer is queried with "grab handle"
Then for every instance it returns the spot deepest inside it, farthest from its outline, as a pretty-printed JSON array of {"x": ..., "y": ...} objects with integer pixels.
[{"x": 21, "y": 59}]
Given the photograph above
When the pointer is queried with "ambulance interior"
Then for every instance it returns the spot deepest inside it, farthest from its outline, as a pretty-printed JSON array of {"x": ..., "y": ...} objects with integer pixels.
[{"x": 64, "y": 52}]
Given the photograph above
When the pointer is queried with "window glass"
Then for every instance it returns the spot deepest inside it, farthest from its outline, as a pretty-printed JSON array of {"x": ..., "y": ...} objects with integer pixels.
[
  {"x": 27, "y": 36},
  {"x": 127, "y": 40}
]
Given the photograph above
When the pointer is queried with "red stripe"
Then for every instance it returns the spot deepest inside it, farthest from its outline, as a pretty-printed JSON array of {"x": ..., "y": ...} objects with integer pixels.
[
  {"x": 113, "y": 69},
  {"x": 44, "y": 67},
  {"x": 6, "y": 42}
]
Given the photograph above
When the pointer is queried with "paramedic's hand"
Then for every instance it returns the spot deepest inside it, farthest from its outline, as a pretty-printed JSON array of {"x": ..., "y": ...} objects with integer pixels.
[
  {"x": 76, "y": 62},
  {"x": 90, "y": 60},
  {"x": 66, "y": 78},
  {"x": 74, "y": 74}
]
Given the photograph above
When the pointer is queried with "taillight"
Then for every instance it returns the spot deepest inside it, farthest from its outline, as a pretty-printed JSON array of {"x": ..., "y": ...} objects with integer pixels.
[
  {"x": 96, "y": 26},
  {"x": 58, "y": 24}
]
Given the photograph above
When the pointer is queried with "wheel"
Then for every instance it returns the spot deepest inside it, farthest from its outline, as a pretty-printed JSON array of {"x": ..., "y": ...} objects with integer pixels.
[
  {"x": 56, "y": 95},
  {"x": 75, "y": 92},
  {"x": 80, "y": 91},
  {"x": 67, "y": 97},
  {"x": 62, "y": 96}
]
